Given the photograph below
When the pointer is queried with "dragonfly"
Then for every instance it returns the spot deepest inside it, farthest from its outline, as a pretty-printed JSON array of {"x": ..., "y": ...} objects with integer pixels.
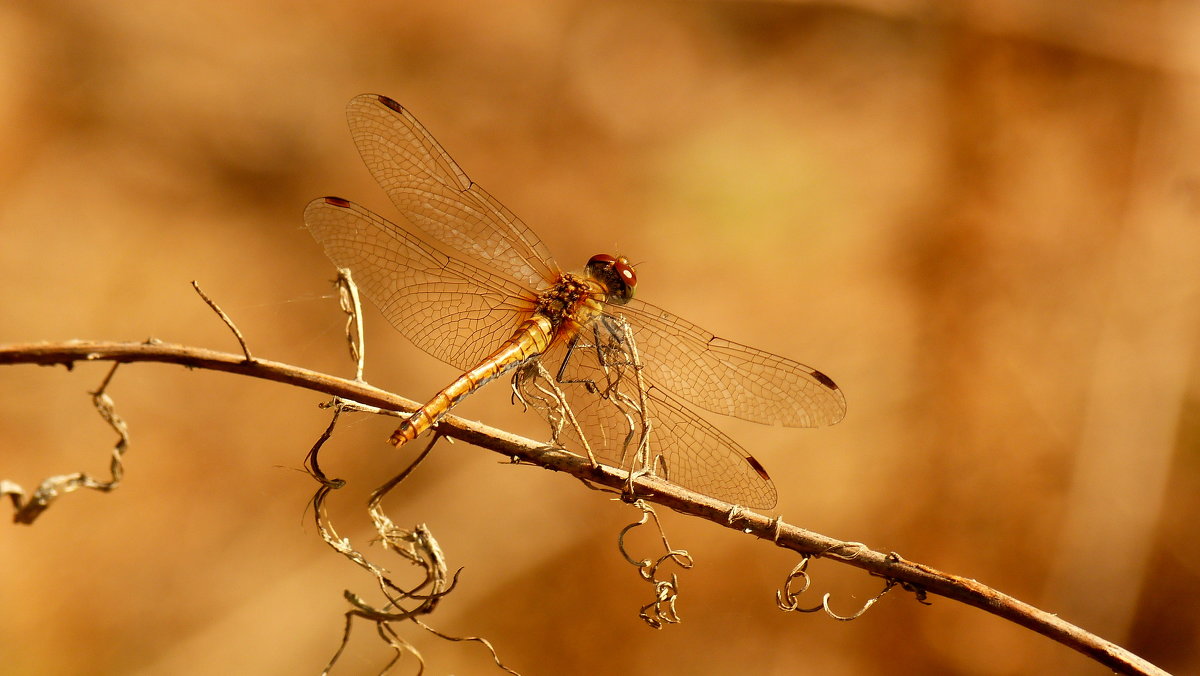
[{"x": 465, "y": 280}]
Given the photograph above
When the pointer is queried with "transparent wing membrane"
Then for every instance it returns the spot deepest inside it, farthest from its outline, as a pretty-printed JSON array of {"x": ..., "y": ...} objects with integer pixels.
[
  {"x": 436, "y": 195},
  {"x": 448, "y": 307},
  {"x": 460, "y": 272},
  {"x": 728, "y": 378}
]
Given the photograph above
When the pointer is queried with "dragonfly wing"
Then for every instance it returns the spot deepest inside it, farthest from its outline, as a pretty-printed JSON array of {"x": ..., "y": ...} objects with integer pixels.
[
  {"x": 699, "y": 456},
  {"x": 448, "y": 307},
  {"x": 725, "y": 377},
  {"x": 436, "y": 195},
  {"x": 607, "y": 408}
]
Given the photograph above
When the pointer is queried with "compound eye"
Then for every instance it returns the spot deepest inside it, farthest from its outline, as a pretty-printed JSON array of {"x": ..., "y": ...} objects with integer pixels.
[
  {"x": 625, "y": 271},
  {"x": 616, "y": 274}
]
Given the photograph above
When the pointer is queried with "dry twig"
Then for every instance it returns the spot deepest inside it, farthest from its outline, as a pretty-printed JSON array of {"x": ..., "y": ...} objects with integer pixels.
[{"x": 920, "y": 579}]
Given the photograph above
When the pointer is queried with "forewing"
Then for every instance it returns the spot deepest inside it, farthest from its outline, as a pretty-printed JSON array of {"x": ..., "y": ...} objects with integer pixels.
[
  {"x": 436, "y": 195},
  {"x": 725, "y": 377},
  {"x": 448, "y": 307}
]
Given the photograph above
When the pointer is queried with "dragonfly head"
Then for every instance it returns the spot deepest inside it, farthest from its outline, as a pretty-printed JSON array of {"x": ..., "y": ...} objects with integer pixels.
[{"x": 616, "y": 274}]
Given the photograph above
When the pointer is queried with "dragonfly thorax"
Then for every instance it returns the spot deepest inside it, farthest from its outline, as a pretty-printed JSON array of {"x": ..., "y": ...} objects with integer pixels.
[{"x": 568, "y": 298}]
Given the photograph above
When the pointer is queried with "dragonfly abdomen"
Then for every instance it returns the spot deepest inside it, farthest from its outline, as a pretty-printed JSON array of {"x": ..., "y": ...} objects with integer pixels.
[{"x": 530, "y": 340}]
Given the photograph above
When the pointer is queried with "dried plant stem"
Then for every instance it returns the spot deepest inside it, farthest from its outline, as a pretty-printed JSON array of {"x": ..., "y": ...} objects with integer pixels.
[{"x": 912, "y": 576}]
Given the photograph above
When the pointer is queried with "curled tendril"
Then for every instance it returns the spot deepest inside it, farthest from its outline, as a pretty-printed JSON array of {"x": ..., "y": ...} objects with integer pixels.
[
  {"x": 647, "y": 567},
  {"x": 887, "y": 587},
  {"x": 661, "y": 610},
  {"x": 29, "y": 508},
  {"x": 416, "y": 545},
  {"x": 787, "y": 597}
]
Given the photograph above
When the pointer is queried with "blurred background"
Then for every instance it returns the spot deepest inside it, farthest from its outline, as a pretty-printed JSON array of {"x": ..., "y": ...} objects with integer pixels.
[{"x": 979, "y": 217}]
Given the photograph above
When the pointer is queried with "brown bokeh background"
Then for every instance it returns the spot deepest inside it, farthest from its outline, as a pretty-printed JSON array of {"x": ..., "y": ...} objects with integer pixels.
[{"x": 979, "y": 217}]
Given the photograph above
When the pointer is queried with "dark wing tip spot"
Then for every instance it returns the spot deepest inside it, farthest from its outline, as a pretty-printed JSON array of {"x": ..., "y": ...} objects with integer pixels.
[
  {"x": 762, "y": 471},
  {"x": 824, "y": 379},
  {"x": 390, "y": 103},
  {"x": 337, "y": 202}
]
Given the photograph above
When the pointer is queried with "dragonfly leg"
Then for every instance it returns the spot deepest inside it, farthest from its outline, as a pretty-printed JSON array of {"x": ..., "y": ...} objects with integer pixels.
[
  {"x": 529, "y": 391},
  {"x": 624, "y": 353},
  {"x": 533, "y": 381}
]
